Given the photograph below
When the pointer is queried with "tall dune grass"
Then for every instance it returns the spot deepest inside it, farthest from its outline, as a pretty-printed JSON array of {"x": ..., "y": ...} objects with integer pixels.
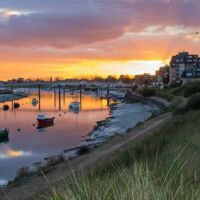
[
  {"x": 136, "y": 182},
  {"x": 165, "y": 166}
]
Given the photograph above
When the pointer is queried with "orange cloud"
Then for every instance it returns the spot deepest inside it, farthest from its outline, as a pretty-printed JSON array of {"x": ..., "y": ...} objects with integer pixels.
[{"x": 101, "y": 37}]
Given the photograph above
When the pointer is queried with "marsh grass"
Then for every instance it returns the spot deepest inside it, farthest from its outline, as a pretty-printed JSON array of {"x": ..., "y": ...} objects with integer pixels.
[{"x": 165, "y": 166}]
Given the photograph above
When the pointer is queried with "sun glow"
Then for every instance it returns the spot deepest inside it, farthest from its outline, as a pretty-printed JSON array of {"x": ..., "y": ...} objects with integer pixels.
[
  {"x": 80, "y": 69},
  {"x": 14, "y": 154}
]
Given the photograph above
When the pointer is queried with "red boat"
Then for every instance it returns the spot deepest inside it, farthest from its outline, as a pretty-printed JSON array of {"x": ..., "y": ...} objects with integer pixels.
[{"x": 45, "y": 121}]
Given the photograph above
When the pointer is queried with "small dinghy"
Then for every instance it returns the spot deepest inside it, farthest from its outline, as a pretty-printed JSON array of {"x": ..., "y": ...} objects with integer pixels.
[
  {"x": 74, "y": 105},
  {"x": 34, "y": 102},
  {"x": 43, "y": 118}
]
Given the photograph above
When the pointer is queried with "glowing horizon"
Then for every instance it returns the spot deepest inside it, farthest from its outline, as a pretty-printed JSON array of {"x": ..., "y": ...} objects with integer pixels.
[{"x": 69, "y": 39}]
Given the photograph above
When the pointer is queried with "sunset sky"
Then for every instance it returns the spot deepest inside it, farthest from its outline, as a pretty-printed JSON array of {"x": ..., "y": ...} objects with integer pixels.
[{"x": 76, "y": 38}]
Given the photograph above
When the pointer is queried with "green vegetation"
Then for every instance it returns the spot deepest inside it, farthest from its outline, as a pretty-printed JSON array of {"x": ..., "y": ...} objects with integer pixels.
[
  {"x": 163, "y": 93},
  {"x": 148, "y": 92},
  {"x": 188, "y": 89},
  {"x": 83, "y": 150},
  {"x": 163, "y": 166},
  {"x": 192, "y": 104}
]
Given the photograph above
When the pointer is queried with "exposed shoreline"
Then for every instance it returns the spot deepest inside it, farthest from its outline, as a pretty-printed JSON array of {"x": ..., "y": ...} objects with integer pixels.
[
  {"x": 92, "y": 140},
  {"x": 11, "y": 97}
]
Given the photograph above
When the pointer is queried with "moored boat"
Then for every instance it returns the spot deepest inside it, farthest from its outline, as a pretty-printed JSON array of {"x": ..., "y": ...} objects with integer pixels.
[
  {"x": 74, "y": 105},
  {"x": 34, "y": 101},
  {"x": 43, "y": 118},
  {"x": 44, "y": 121}
]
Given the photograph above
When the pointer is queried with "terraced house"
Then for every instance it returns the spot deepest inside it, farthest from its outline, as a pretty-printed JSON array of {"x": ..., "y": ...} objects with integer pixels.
[{"x": 184, "y": 66}]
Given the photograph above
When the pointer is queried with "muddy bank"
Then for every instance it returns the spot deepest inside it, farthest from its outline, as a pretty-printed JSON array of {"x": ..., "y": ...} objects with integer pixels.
[
  {"x": 131, "y": 97},
  {"x": 11, "y": 97}
]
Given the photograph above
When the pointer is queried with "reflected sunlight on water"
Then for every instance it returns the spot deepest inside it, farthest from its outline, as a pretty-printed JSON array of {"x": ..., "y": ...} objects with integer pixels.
[{"x": 27, "y": 144}]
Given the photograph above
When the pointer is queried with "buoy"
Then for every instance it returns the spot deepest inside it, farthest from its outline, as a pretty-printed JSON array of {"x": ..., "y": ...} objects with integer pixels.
[
  {"x": 18, "y": 129},
  {"x": 16, "y": 105},
  {"x": 5, "y": 107}
]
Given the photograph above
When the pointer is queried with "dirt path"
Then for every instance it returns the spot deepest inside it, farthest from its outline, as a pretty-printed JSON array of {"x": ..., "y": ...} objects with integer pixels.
[{"x": 28, "y": 187}]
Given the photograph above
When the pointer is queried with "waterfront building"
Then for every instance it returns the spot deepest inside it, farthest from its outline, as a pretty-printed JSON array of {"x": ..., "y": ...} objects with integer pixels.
[
  {"x": 144, "y": 79},
  {"x": 162, "y": 75},
  {"x": 184, "y": 66}
]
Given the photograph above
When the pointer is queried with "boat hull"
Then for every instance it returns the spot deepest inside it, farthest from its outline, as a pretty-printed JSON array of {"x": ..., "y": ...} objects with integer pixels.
[{"x": 45, "y": 122}]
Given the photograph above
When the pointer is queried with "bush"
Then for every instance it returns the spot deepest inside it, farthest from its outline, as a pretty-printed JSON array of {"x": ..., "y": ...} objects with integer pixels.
[
  {"x": 83, "y": 150},
  {"x": 191, "y": 89},
  {"x": 188, "y": 89},
  {"x": 192, "y": 104},
  {"x": 148, "y": 92},
  {"x": 165, "y": 95}
]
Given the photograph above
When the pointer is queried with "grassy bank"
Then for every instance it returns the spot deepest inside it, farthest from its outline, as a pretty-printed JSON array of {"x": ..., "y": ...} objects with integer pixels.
[{"x": 163, "y": 166}]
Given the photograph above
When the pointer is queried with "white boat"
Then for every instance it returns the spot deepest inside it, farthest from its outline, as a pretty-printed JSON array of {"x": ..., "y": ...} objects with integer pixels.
[
  {"x": 34, "y": 101},
  {"x": 74, "y": 105},
  {"x": 44, "y": 118}
]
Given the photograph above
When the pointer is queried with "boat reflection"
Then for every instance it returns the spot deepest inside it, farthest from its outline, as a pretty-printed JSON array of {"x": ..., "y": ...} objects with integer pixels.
[
  {"x": 42, "y": 128},
  {"x": 74, "y": 110},
  {"x": 34, "y": 102},
  {"x": 4, "y": 136}
]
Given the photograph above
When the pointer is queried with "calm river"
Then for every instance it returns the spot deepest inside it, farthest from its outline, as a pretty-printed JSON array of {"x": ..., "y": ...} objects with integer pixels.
[{"x": 27, "y": 144}]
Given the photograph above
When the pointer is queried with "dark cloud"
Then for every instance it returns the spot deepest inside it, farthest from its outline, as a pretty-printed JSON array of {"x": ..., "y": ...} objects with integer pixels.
[{"x": 70, "y": 23}]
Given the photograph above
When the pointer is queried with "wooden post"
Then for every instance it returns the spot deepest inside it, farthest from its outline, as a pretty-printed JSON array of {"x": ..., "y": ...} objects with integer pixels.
[
  {"x": 108, "y": 91},
  {"x": 80, "y": 96},
  {"x": 64, "y": 96},
  {"x": 59, "y": 93},
  {"x": 39, "y": 96},
  {"x": 108, "y": 95},
  {"x": 54, "y": 97},
  {"x": 12, "y": 104}
]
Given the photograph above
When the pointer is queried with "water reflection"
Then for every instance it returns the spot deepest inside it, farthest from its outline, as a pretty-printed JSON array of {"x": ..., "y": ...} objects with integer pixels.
[
  {"x": 10, "y": 153},
  {"x": 25, "y": 134},
  {"x": 4, "y": 140}
]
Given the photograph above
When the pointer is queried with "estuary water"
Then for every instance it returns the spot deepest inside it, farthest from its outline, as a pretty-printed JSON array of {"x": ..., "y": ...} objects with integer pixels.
[{"x": 26, "y": 144}]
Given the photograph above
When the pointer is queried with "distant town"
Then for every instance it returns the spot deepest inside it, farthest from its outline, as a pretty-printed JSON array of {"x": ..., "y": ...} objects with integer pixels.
[{"x": 182, "y": 68}]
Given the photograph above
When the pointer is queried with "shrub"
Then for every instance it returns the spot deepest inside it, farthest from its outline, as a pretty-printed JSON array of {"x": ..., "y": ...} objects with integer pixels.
[
  {"x": 192, "y": 104},
  {"x": 83, "y": 150},
  {"x": 148, "y": 92},
  {"x": 188, "y": 89},
  {"x": 191, "y": 89}
]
